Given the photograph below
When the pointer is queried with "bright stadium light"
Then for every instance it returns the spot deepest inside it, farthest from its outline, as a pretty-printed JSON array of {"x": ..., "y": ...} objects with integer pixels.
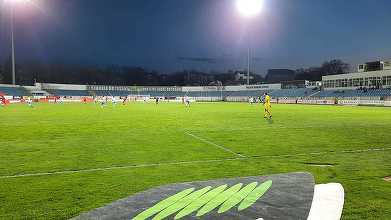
[
  {"x": 17, "y": 1},
  {"x": 249, "y": 8}
]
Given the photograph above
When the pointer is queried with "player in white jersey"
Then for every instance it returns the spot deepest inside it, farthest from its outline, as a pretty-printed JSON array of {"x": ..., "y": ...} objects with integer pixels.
[
  {"x": 30, "y": 102},
  {"x": 114, "y": 101},
  {"x": 251, "y": 100},
  {"x": 61, "y": 100},
  {"x": 102, "y": 101},
  {"x": 187, "y": 101}
]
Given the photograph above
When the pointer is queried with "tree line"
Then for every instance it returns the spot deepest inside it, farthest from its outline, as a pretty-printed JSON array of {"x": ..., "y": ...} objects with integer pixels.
[{"x": 29, "y": 72}]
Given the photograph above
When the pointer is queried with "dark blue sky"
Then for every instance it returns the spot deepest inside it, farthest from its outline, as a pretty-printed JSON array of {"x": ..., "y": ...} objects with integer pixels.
[{"x": 153, "y": 33}]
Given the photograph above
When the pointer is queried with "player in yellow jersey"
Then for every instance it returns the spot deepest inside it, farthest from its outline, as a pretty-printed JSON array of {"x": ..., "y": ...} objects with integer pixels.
[{"x": 268, "y": 107}]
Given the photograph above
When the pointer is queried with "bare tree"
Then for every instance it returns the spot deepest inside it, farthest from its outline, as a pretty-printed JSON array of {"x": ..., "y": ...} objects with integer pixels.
[{"x": 335, "y": 66}]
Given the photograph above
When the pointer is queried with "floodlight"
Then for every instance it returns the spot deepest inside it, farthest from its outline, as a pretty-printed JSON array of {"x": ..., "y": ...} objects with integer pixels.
[
  {"x": 17, "y": 1},
  {"x": 249, "y": 8}
]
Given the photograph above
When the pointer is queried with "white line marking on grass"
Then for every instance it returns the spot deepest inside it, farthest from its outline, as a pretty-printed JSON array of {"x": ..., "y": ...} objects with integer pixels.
[
  {"x": 283, "y": 127},
  {"x": 213, "y": 144},
  {"x": 188, "y": 163},
  {"x": 325, "y": 152},
  {"x": 120, "y": 167},
  {"x": 366, "y": 150}
]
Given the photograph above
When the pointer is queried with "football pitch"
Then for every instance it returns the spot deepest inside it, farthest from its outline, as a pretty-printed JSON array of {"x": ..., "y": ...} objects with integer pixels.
[{"x": 58, "y": 160}]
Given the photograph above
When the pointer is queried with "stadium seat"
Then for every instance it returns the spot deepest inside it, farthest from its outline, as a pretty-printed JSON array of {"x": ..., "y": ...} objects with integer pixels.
[
  {"x": 69, "y": 92},
  {"x": 14, "y": 91},
  {"x": 301, "y": 92},
  {"x": 354, "y": 93}
]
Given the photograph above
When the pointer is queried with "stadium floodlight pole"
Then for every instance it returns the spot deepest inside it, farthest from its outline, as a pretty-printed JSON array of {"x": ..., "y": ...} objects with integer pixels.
[
  {"x": 12, "y": 44},
  {"x": 12, "y": 12},
  {"x": 248, "y": 65},
  {"x": 248, "y": 9},
  {"x": 220, "y": 84}
]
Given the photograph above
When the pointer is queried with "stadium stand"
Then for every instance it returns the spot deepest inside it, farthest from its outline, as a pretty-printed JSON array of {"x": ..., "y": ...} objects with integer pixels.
[
  {"x": 206, "y": 94},
  {"x": 14, "y": 91},
  {"x": 213, "y": 93},
  {"x": 110, "y": 93},
  {"x": 58, "y": 92},
  {"x": 161, "y": 93},
  {"x": 276, "y": 93},
  {"x": 173, "y": 93},
  {"x": 289, "y": 93},
  {"x": 302, "y": 92},
  {"x": 245, "y": 93},
  {"x": 354, "y": 93}
]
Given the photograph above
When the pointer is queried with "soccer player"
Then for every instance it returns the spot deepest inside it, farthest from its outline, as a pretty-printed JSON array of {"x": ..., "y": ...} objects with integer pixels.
[
  {"x": 251, "y": 100},
  {"x": 157, "y": 100},
  {"x": 114, "y": 101},
  {"x": 124, "y": 100},
  {"x": 102, "y": 102},
  {"x": 187, "y": 101},
  {"x": 268, "y": 107},
  {"x": 30, "y": 102},
  {"x": 2, "y": 101}
]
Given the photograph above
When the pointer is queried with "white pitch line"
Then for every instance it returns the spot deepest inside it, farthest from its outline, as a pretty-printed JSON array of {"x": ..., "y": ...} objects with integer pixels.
[
  {"x": 188, "y": 162},
  {"x": 325, "y": 152},
  {"x": 119, "y": 167},
  {"x": 366, "y": 150},
  {"x": 214, "y": 144}
]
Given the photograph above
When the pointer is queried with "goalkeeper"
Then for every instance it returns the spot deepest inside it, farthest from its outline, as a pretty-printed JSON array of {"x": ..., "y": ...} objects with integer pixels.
[{"x": 268, "y": 107}]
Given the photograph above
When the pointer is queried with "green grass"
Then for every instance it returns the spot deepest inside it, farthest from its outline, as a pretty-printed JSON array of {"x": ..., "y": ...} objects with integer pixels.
[{"x": 49, "y": 138}]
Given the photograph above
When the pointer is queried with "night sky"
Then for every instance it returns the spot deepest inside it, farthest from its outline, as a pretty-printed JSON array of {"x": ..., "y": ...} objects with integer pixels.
[{"x": 207, "y": 35}]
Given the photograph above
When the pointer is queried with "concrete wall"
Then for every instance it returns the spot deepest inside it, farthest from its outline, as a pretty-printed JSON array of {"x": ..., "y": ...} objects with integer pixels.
[
  {"x": 8, "y": 85},
  {"x": 231, "y": 88},
  {"x": 254, "y": 87},
  {"x": 61, "y": 86},
  {"x": 361, "y": 102}
]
